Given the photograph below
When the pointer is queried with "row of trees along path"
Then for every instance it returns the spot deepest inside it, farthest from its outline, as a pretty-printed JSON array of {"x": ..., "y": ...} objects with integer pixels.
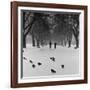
[{"x": 47, "y": 27}]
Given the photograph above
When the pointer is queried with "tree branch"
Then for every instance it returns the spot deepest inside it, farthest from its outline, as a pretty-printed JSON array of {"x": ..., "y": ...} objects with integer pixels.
[
  {"x": 27, "y": 17},
  {"x": 29, "y": 27}
]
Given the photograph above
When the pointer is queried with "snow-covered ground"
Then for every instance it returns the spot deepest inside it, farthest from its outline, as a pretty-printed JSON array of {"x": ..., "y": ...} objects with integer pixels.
[{"x": 69, "y": 57}]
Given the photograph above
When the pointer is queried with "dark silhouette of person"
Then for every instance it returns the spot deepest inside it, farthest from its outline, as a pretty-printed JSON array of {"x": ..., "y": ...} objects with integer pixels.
[
  {"x": 55, "y": 45},
  {"x": 50, "y": 44}
]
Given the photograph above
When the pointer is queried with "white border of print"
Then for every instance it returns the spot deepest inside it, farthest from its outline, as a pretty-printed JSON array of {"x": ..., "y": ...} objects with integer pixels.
[{"x": 57, "y": 77}]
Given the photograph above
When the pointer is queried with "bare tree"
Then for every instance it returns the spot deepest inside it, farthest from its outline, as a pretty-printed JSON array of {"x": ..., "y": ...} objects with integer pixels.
[
  {"x": 28, "y": 20},
  {"x": 40, "y": 29},
  {"x": 75, "y": 28}
]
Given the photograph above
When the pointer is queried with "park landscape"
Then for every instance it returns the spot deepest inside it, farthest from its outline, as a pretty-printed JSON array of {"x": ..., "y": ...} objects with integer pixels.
[{"x": 50, "y": 43}]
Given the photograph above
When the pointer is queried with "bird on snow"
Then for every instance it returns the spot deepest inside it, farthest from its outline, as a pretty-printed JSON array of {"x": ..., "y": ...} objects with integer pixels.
[
  {"x": 30, "y": 61},
  {"x": 62, "y": 66},
  {"x": 53, "y": 71},
  {"x": 52, "y": 58},
  {"x": 33, "y": 66},
  {"x": 25, "y": 58},
  {"x": 39, "y": 63}
]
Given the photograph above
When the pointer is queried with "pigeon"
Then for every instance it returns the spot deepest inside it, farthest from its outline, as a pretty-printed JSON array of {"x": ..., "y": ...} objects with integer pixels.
[
  {"x": 62, "y": 66},
  {"x": 52, "y": 58},
  {"x": 39, "y": 63},
  {"x": 30, "y": 61},
  {"x": 53, "y": 71},
  {"x": 33, "y": 66},
  {"x": 25, "y": 58}
]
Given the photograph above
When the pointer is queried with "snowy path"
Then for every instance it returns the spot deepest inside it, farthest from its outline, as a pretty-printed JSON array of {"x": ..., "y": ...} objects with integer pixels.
[{"x": 68, "y": 57}]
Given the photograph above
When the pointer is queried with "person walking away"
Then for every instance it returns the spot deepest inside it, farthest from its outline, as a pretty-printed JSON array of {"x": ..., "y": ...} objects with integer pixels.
[
  {"x": 50, "y": 44},
  {"x": 55, "y": 45}
]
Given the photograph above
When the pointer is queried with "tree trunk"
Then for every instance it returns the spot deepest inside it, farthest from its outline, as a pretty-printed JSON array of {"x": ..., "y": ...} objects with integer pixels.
[
  {"x": 38, "y": 44},
  {"x": 69, "y": 43},
  {"x": 69, "y": 40},
  {"x": 24, "y": 37},
  {"x": 77, "y": 41},
  {"x": 76, "y": 35},
  {"x": 24, "y": 41},
  {"x": 33, "y": 41},
  {"x": 42, "y": 43},
  {"x": 64, "y": 43}
]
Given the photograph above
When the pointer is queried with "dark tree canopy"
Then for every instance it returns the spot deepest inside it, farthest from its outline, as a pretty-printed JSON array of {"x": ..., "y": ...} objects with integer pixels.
[{"x": 56, "y": 27}]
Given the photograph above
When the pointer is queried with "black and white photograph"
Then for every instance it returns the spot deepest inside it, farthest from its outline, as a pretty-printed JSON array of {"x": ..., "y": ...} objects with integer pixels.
[{"x": 49, "y": 44}]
